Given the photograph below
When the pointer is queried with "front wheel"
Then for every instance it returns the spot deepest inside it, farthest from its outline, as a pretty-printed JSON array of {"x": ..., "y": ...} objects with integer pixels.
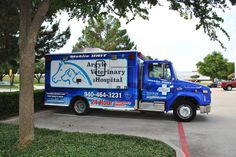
[
  {"x": 80, "y": 107},
  {"x": 184, "y": 111}
]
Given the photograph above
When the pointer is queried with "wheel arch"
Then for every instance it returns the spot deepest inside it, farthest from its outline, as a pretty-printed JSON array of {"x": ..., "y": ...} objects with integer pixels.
[
  {"x": 78, "y": 97},
  {"x": 181, "y": 98},
  {"x": 229, "y": 85}
]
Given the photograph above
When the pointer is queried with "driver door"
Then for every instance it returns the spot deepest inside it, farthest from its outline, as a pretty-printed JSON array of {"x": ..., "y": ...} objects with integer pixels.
[{"x": 158, "y": 84}]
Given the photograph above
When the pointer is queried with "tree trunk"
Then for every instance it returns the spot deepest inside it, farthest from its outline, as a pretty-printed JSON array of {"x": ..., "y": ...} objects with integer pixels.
[
  {"x": 28, "y": 33},
  {"x": 38, "y": 77}
]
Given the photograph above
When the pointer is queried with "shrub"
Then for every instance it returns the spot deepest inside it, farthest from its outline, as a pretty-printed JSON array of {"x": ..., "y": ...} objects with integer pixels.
[{"x": 9, "y": 102}]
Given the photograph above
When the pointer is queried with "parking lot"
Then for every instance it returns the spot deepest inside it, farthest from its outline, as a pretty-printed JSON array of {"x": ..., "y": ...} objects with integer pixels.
[{"x": 212, "y": 135}]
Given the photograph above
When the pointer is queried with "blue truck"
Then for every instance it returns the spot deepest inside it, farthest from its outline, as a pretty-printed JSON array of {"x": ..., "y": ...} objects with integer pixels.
[{"x": 121, "y": 80}]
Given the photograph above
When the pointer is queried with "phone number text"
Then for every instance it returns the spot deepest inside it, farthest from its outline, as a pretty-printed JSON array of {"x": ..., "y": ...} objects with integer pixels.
[{"x": 103, "y": 94}]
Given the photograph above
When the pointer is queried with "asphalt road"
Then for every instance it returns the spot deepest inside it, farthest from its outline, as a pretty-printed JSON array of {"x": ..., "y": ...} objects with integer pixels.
[{"x": 212, "y": 135}]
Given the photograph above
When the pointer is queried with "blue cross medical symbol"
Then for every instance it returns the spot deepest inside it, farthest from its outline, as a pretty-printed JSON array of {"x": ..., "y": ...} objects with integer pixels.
[{"x": 164, "y": 89}]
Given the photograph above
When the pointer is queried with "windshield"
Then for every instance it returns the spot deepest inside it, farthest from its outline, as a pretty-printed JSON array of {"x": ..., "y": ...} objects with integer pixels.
[{"x": 159, "y": 71}]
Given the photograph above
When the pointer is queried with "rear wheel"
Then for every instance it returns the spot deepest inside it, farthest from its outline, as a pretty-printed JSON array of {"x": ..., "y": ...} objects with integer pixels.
[
  {"x": 229, "y": 88},
  {"x": 185, "y": 111},
  {"x": 80, "y": 107}
]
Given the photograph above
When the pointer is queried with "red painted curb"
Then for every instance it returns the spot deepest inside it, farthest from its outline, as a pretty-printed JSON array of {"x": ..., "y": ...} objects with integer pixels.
[{"x": 183, "y": 140}]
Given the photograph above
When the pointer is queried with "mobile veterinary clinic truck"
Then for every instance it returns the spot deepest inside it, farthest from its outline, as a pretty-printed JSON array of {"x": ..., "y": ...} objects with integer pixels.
[{"x": 121, "y": 80}]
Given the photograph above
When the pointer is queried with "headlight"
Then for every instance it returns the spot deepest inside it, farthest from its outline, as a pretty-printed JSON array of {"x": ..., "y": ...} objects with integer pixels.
[{"x": 204, "y": 91}]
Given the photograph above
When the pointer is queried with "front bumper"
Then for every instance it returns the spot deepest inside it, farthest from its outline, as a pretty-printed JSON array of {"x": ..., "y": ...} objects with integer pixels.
[{"x": 205, "y": 109}]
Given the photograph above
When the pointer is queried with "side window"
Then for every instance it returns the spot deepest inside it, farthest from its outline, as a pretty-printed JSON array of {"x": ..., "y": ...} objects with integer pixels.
[
  {"x": 167, "y": 72},
  {"x": 159, "y": 71},
  {"x": 155, "y": 70}
]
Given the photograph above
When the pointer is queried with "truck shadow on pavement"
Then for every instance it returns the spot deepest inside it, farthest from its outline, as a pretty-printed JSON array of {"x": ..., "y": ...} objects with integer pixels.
[
  {"x": 129, "y": 115},
  {"x": 120, "y": 114}
]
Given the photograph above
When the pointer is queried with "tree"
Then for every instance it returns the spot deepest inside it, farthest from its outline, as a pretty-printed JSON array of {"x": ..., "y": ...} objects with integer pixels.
[
  {"x": 148, "y": 58},
  {"x": 105, "y": 33},
  {"x": 213, "y": 65},
  {"x": 39, "y": 69},
  {"x": 50, "y": 39},
  {"x": 34, "y": 12}
]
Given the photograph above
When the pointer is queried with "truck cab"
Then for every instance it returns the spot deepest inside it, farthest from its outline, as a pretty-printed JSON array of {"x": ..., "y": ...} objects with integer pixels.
[{"x": 161, "y": 90}]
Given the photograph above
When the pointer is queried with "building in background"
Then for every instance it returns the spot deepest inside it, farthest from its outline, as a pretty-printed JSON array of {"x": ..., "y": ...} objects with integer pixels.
[{"x": 186, "y": 75}]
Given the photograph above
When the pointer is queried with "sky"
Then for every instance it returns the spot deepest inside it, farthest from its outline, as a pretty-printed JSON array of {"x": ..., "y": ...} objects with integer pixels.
[{"x": 167, "y": 36}]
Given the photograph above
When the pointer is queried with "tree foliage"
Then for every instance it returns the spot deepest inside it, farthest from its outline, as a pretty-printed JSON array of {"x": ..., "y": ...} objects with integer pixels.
[
  {"x": 50, "y": 39},
  {"x": 9, "y": 30},
  {"x": 207, "y": 12},
  {"x": 148, "y": 57},
  {"x": 230, "y": 70},
  {"x": 105, "y": 33},
  {"x": 230, "y": 67},
  {"x": 213, "y": 65}
]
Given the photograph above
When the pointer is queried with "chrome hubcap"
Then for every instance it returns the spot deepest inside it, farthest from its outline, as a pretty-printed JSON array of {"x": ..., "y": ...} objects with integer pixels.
[
  {"x": 79, "y": 107},
  {"x": 184, "y": 111}
]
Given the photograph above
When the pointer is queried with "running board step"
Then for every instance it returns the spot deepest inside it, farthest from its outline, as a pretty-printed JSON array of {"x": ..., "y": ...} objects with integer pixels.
[{"x": 152, "y": 106}]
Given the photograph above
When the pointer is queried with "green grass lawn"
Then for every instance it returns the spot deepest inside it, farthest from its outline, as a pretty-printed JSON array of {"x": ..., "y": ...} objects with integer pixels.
[
  {"x": 7, "y": 79},
  {"x": 57, "y": 143},
  {"x": 8, "y": 87},
  {"x": 16, "y": 83},
  {"x": 16, "y": 80}
]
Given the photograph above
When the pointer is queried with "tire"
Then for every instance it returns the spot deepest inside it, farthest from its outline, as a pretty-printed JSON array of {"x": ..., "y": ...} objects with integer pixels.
[
  {"x": 184, "y": 111},
  {"x": 229, "y": 88},
  {"x": 80, "y": 107}
]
